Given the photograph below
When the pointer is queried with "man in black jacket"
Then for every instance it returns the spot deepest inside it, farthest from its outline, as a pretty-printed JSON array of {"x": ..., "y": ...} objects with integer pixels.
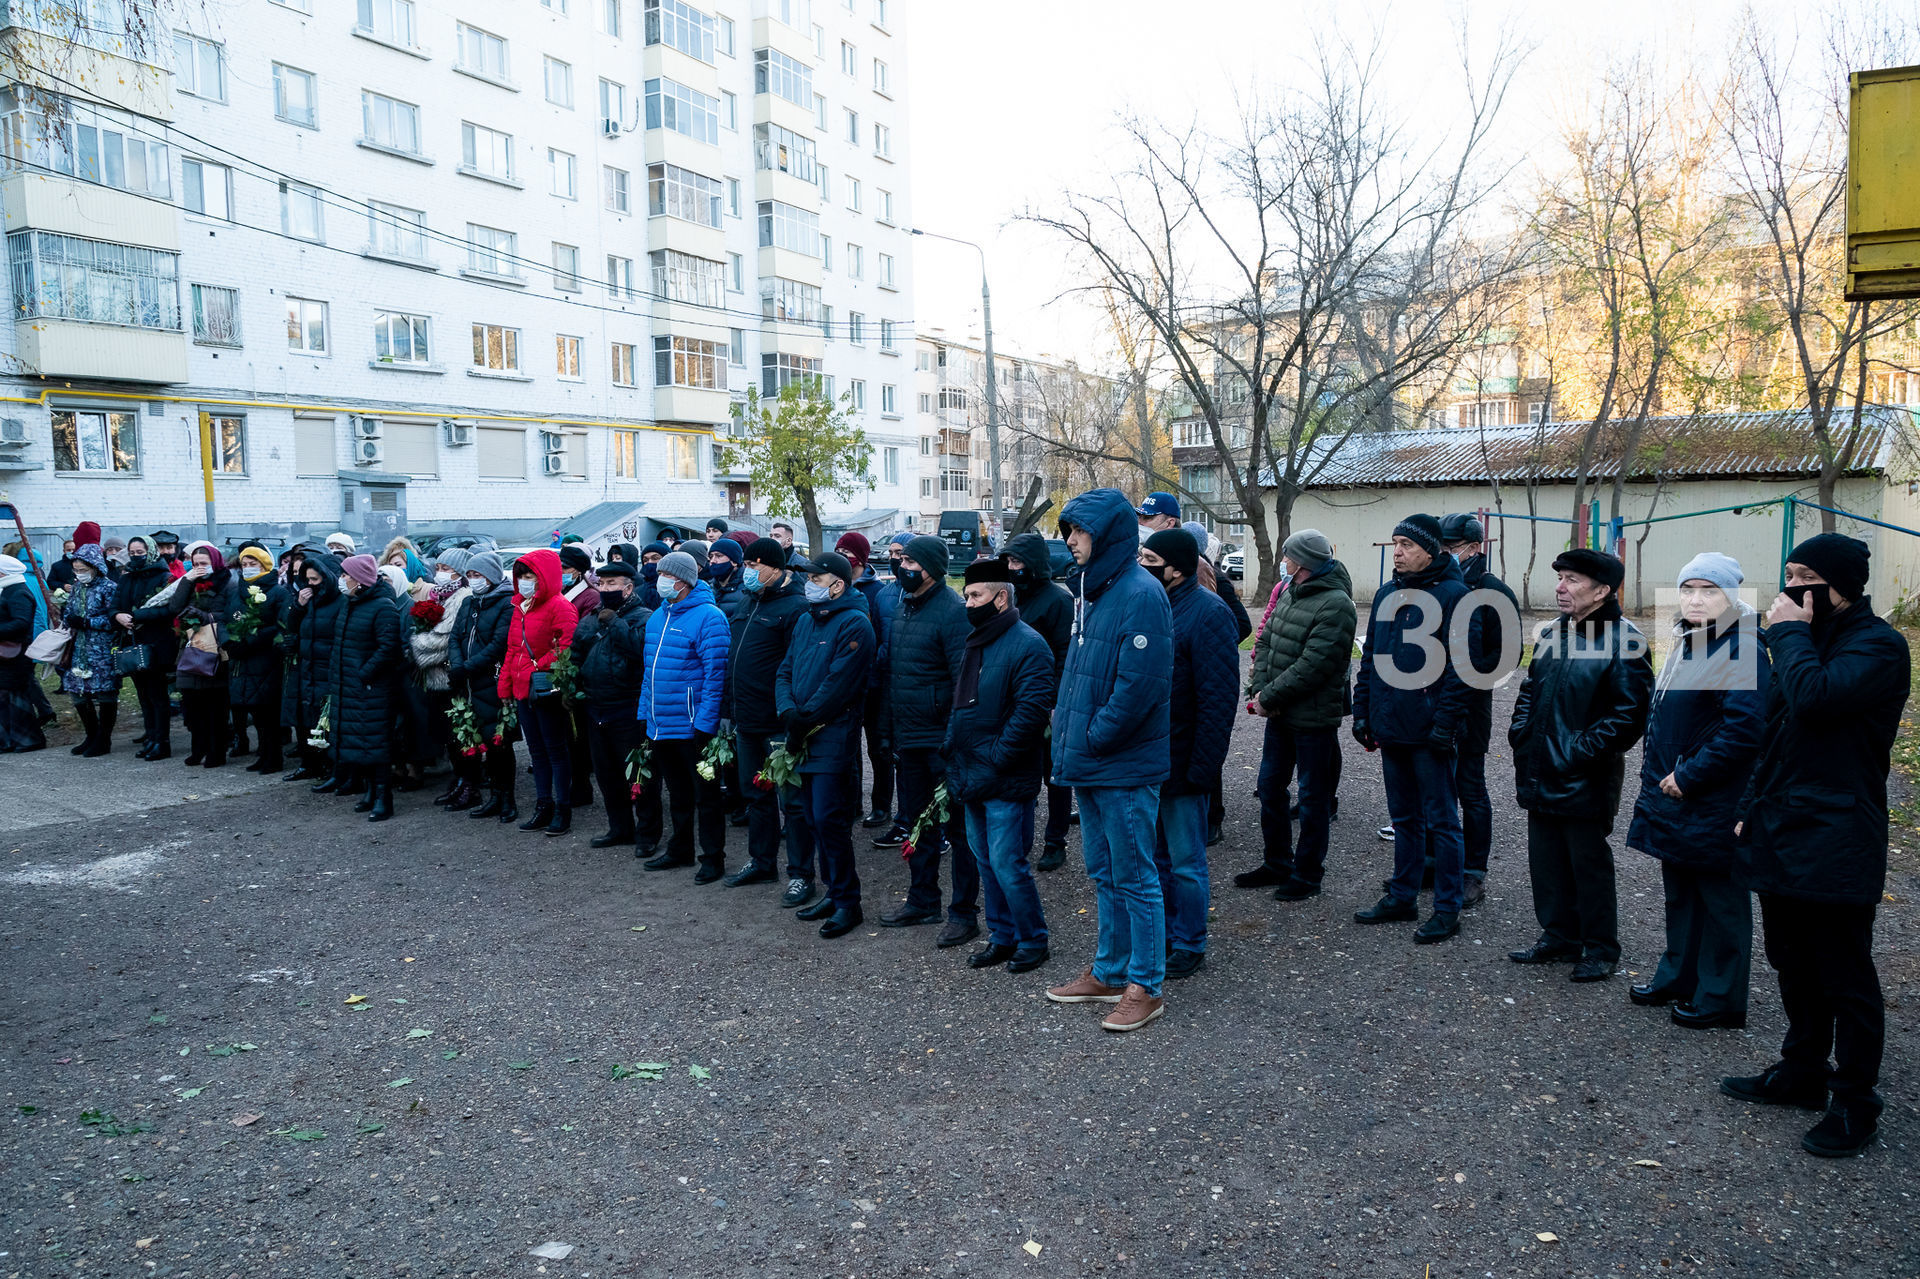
[
  {"x": 1046, "y": 607},
  {"x": 1813, "y": 837},
  {"x": 762, "y": 629},
  {"x": 995, "y": 751},
  {"x": 924, "y": 653},
  {"x": 610, "y": 645},
  {"x": 1582, "y": 706},
  {"x": 1465, "y": 538}
]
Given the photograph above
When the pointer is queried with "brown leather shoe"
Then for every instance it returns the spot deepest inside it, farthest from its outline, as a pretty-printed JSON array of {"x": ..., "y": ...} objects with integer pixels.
[
  {"x": 1136, "y": 1009},
  {"x": 1085, "y": 990}
]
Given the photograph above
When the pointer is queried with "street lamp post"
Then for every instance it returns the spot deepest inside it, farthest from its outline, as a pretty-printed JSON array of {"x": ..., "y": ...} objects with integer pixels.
[{"x": 993, "y": 399}]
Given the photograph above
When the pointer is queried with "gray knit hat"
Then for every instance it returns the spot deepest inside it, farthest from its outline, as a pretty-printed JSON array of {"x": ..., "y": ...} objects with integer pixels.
[
  {"x": 681, "y": 565},
  {"x": 487, "y": 565},
  {"x": 1309, "y": 548},
  {"x": 455, "y": 558},
  {"x": 1711, "y": 566}
]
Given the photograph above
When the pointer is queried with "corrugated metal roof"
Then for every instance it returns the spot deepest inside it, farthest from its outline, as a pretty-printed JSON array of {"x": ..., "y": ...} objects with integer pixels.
[{"x": 1694, "y": 446}]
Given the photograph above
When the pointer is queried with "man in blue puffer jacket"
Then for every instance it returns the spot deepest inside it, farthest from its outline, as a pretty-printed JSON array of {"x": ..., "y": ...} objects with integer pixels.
[
  {"x": 680, "y": 701},
  {"x": 1411, "y": 705},
  {"x": 1110, "y": 743}
]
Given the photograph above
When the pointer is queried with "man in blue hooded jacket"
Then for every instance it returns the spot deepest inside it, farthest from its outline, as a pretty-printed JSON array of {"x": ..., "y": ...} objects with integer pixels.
[
  {"x": 1111, "y": 730},
  {"x": 681, "y": 700}
]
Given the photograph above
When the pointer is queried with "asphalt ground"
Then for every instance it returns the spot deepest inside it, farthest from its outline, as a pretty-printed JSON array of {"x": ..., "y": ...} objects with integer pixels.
[{"x": 426, "y": 1015}]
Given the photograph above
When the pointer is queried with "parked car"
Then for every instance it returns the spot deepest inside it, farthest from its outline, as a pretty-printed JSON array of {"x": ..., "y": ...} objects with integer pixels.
[{"x": 1235, "y": 564}]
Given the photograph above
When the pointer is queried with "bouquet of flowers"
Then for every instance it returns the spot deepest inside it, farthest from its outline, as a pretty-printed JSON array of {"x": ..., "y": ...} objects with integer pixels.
[
  {"x": 247, "y": 620},
  {"x": 319, "y": 736},
  {"x": 639, "y": 768},
  {"x": 60, "y": 597},
  {"x": 465, "y": 725},
  {"x": 426, "y": 615},
  {"x": 783, "y": 764},
  {"x": 717, "y": 757},
  {"x": 934, "y": 815},
  {"x": 509, "y": 720},
  {"x": 566, "y": 677}
]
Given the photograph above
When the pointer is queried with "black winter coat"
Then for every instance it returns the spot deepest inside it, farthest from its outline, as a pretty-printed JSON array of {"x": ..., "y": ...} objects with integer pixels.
[
  {"x": 996, "y": 747},
  {"x": 257, "y": 660},
  {"x": 1438, "y": 707},
  {"x": 1044, "y": 604},
  {"x": 1581, "y": 707},
  {"x": 928, "y": 643},
  {"x": 761, "y": 632},
  {"x": 154, "y": 626},
  {"x": 1476, "y": 734},
  {"x": 1815, "y": 810},
  {"x": 214, "y": 607},
  {"x": 474, "y": 650},
  {"x": 612, "y": 658},
  {"x": 312, "y": 625},
  {"x": 1206, "y": 688},
  {"x": 1704, "y": 728},
  {"x": 16, "y": 627},
  {"x": 823, "y": 681},
  {"x": 366, "y": 668}
]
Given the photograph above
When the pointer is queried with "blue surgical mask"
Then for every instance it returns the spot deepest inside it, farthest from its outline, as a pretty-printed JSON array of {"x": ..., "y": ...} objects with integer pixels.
[
  {"x": 818, "y": 594},
  {"x": 750, "y": 581},
  {"x": 525, "y": 586}
]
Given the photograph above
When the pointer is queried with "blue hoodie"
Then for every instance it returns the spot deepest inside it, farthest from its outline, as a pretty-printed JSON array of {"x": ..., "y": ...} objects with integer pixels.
[
  {"x": 687, "y": 643},
  {"x": 1111, "y": 723}
]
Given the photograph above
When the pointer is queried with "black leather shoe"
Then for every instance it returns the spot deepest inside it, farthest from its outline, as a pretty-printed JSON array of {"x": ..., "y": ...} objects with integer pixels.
[
  {"x": 1388, "y": 911},
  {"x": 320, "y": 788},
  {"x": 1025, "y": 961},
  {"x": 1545, "y": 952},
  {"x": 1690, "y": 1018},
  {"x": 1214, "y": 835},
  {"x": 909, "y": 917},
  {"x": 799, "y": 892},
  {"x": 382, "y": 804},
  {"x": 876, "y": 819},
  {"x": 990, "y": 955},
  {"x": 492, "y": 808},
  {"x": 1185, "y": 963},
  {"x": 819, "y": 910},
  {"x": 958, "y": 932},
  {"x": 665, "y": 861},
  {"x": 1473, "y": 892},
  {"x": 609, "y": 840},
  {"x": 708, "y": 872},
  {"x": 841, "y": 922},
  {"x": 1847, "y": 1129},
  {"x": 1296, "y": 890},
  {"x": 542, "y": 816},
  {"x": 750, "y": 874},
  {"x": 1441, "y": 925},
  {"x": 1592, "y": 968},
  {"x": 1051, "y": 859},
  {"x": 367, "y": 801},
  {"x": 1265, "y": 875},
  {"x": 645, "y": 851},
  {"x": 1648, "y": 995},
  {"x": 1778, "y": 1085},
  {"x": 562, "y": 820}
]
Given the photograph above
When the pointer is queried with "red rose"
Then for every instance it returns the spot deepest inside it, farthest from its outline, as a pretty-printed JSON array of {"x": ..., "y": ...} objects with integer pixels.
[
  {"x": 634, "y": 793},
  {"x": 906, "y": 849}
]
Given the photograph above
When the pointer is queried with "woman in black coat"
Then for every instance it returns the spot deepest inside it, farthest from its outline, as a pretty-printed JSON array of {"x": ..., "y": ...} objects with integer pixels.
[
  {"x": 366, "y": 668},
  {"x": 207, "y": 596},
  {"x": 142, "y": 582},
  {"x": 19, "y": 720},
  {"x": 1702, "y": 737},
  {"x": 254, "y": 648},
  {"x": 312, "y": 620},
  {"x": 474, "y": 649}
]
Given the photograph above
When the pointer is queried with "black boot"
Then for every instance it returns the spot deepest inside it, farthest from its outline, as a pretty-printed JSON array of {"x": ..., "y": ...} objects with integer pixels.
[
  {"x": 542, "y": 816},
  {"x": 446, "y": 796},
  {"x": 509, "y": 808},
  {"x": 562, "y": 820},
  {"x": 308, "y": 767},
  {"x": 372, "y": 797},
  {"x": 382, "y": 792},
  {"x": 335, "y": 780},
  {"x": 89, "y": 721},
  {"x": 492, "y": 808},
  {"x": 107, "y": 714}
]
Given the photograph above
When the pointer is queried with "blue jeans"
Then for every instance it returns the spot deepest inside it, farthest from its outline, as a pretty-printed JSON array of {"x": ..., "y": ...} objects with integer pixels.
[
  {"x": 1315, "y": 754},
  {"x": 1000, "y": 831},
  {"x": 1426, "y": 817},
  {"x": 1117, "y": 839},
  {"x": 545, "y": 725},
  {"x": 832, "y": 803},
  {"x": 1180, "y": 857}
]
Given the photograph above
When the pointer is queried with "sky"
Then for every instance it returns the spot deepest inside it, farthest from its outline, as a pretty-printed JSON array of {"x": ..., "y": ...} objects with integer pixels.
[{"x": 1013, "y": 102}]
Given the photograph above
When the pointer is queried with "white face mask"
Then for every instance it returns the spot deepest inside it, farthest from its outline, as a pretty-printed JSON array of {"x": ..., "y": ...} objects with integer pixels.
[
  {"x": 346, "y": 583},
  {"x": 83, "y": 575},
  {"x": 478, "y": 585},
  {"x": 525, "y": 586},
  {"x": 445, "y": 577}
]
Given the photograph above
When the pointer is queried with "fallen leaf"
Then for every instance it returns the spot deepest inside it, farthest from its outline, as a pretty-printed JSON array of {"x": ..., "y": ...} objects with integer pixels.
[
  {"x": 188, "y": 1094},
  {"x": 355, "y": 999},
  {"x": 1547, "y": 1236},
  {"x": 244, "y": 1118},
  {"x": 145, "y": 1243},
  {"x": 417, "y": 1033},
  {"x": 699, "y": 1072},
  {"x": 401, "y": 1082},
  {"x": 185, "y": 1051},
  {"x": 450, "y": 1054},
  {"x": 369, "y": 1127},
  {"x": 1032, "y": 1248},
  {"x": 552, "y": 1251},
  {"x": 638, "y": 928},
  {"x": 1648, "y": 1163},
  {"x": 158, "y": 1019},
  {"x": 407, "y": 960}
]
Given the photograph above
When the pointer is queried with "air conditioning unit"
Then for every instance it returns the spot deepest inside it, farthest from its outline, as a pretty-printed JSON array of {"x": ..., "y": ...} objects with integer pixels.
[
  {"x": 364, "y": 428},
  {"x": 554, "y": 442},
  {"x": 458, "y": 433},
  {"x": 368, "y": 453},
  {"x": 13, "y": 433},
  {"x": 610, "y": 127},
  {"x": 554, "y": 464}
]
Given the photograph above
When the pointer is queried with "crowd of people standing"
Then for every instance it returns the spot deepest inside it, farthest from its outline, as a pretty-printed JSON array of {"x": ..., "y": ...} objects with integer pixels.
[{"x": 740, "y": 682}]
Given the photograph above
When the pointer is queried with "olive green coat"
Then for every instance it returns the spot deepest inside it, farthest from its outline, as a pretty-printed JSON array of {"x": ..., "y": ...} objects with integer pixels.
[{"x": 1301, "y": 659}]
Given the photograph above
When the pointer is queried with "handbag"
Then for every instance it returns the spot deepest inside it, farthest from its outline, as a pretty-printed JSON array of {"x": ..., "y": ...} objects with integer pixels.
[
  {"x": 52, "y": 645},
  {"x": 198, "y": 662},
  {"x": 539, "y": 683},
  {"x": 9, "y": 650},
  {"x": 134, "y": 659}
]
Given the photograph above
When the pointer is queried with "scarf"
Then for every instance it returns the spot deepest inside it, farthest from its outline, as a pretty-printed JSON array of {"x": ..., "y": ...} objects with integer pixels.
[{"x": 966, "y": 689}]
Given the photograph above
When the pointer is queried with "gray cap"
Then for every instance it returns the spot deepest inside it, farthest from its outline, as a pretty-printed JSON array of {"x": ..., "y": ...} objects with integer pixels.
[
  {"x": 455, "y": 558},
  {"x": 1309, "y": 548},
  {"x": 681, "y": 565},
  {"x": 1711, "y": 566},
  {"x": 487, "y": 565}
]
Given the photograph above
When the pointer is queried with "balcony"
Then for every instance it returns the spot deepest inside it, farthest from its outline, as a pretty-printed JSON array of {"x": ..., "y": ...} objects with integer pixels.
[{"x": 956, "y": 443}]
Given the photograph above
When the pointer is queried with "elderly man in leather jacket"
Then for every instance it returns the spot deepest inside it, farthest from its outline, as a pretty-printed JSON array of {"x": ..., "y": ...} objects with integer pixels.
[{"x": 1581, "y": 708}]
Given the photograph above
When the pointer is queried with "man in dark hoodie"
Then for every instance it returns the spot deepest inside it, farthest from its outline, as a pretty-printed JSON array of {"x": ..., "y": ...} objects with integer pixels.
[
  {"x": 762, "y": 629},
  {"x": 646, "y": 586},
  {"x": 925, "y": 652},
  {"x": 1046, "y": 607},
  {"x": 723, "y": 572},
  {"x": 610, "y": 645}
]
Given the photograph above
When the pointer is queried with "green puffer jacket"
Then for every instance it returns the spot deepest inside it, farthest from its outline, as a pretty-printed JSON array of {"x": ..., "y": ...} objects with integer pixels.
[{"x": 1301, "y": 660}]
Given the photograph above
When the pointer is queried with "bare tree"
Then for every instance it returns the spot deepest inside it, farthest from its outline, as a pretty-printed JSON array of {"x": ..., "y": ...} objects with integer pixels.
[{"x": 1318, "y": 261}]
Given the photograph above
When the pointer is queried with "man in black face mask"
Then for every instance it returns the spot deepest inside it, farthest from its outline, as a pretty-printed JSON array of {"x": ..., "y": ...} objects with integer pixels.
[
  {"x": 1046, "y": 607},
  {"x": 647, "y": 588},
  {"x": 1812, "y": 837}
]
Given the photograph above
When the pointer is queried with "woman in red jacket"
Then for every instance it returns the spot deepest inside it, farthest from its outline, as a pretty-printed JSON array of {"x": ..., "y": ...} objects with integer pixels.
[{"x": 539, "y": 630}]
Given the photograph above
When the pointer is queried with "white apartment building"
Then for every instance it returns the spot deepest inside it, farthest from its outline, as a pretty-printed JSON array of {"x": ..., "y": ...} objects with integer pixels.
[{"x": 495, "y": 266}]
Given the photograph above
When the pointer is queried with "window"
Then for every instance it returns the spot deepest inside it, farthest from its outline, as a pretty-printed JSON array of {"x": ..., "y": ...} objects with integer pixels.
[
  {"x": 955, "y": 480},
  {"x": 492, "y": 251},
  {"x": 558, "y": 6},
  {"x": 733, "y": 197},
  {"x": 208, "y": 188},
  {"x": 390, "y": 123},
  {"x": 953, "y": 398},
  {"x": 485, "y": 152},
  {"x": 566, "y": 356},
  {"x": 626, "y": 451},
  {"x": 857, "y": 394},
  {"x": 683, "y": 110},
  {"x": 399, "y": 338},
  {"x": 926, "y": 406},
  {"x": 610, "y": 17},
  {"x": 501, "y": 452},
  {"x": 295, "y": 97},
  {"x": 927, "y": 486},
  {"x": 724, "y": 36},
  {"x": 774, "y": 72},
  {"x": 889, "y": 399},
  {"x": 886, "y": 335},
  {"x": 558, "y": 78},
  {"x": 729, "y": 110},
  {"x": 923, "y": 361},
  {"x": 620, "y": 367},
  {"x": 306, "y": 326},
  {"x": 826, "y": 322},
  {"x": 104, "y": 443},
  {"x": 789, "y": 300},
  {"x": 481, "y": 53},
  {"x": 820, "y": 112},
  {"x": 783, "y": 226},
  {"x": 413, "y": 448},
  {"x": 74, "y": 138},
  {"x": 398, "y": 232},
  {"x": 313, "y": 446},
  {"x": 880, "y": 13},
  {"x": 778, "y": 370},
  {"x": 681, "y": 277},
  {"x": 680, "y": 26},
  {"x": 886, "y": 271},
  {"x": 388, "y": 20},
  {"x": 853, "y": 194},
  {"x": 561, "y": 174},
  {"x": 683, "y": 457},
  {"x": 890, "y": 465},
  {"x": 849, "y": 58},
  {"x": 229, "y": 431},
  {"x": 819, "y": 42},
  {"x": 853, "y": 127},
  {"x": 737, "y": 348},
  {"x": 616, "y": 182},
  {"x": 826, "y": 252},
  {"x": 736, "y": 273},
  {"x": 619, "y": 277},
  {"x": 1536, "y": 411},
  {"x": 882, "y": 141},
  {"x": 693, "y": 362},
  {"x": 881, "y": 84},
  {"x": 199, "y": 67},
  {"x": 789, "y": 12},
  {"x": 613, "y": 103},
  {"x": 856, "y": 262},
  {"x": 300, "y": 211},
  {"x": 566, "y": 268},
  {"x": 883, "y": 206},
  {"x": 216, "y": 315},
  {"x": 784, "y": 151},
  {"x": 496, "y": 347},
  {"x": 674, "y": 192}
]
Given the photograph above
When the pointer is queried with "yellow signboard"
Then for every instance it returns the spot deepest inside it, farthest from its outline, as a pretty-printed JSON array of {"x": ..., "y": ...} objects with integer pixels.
[{"x": 1883, "y": 184}]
